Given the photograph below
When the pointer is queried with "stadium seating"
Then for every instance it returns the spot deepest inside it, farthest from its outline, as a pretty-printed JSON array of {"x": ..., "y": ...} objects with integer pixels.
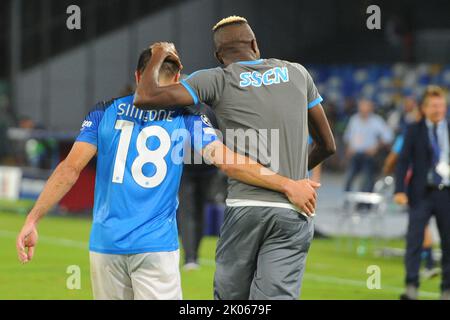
[{"x": 384, "y": 84}]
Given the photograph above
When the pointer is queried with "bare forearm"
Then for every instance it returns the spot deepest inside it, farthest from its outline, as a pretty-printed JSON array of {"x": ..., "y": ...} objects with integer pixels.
[
  {"x": 59, "y": 183},
  {"x": 256, "y": 175},
  {"x": 147, "y": 89},
  {"x": 301, "y": 193},
  {"x": 317, "y": 156},
  {"x": 319, "y": 128},
  {"x": 244, "y": 169},
  {"x": 316, "y": 173}
]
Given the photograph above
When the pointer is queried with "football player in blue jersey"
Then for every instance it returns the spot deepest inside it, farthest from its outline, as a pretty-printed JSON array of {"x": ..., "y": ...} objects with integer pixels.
[{"x": 134, "y": 241}]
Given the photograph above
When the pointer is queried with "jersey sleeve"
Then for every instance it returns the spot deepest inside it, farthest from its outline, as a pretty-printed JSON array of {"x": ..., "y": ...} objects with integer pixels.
[
  {"x": 205, "y": 85},
  {"x": 89, "y": 127},
  {"x": 201, "y": 131},
  {"x": 313, "y": 95},
  {"x": 398, "y": 145}
]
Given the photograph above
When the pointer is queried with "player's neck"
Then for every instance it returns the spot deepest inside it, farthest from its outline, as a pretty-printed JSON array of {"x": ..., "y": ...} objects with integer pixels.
[{"x": 241, "y": 56}]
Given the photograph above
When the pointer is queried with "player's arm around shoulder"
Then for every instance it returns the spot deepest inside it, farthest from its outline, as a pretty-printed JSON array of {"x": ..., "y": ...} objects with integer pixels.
[
  {"x": 60, "y": 182},
  {"x": 301, "y": 193},
  {"x": 149, "y": 94},
  {"x": 174, "y": 95}
]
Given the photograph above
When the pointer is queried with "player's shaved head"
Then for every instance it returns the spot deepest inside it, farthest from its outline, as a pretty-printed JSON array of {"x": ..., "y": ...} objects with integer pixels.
[{"x": 233, "y": 36}]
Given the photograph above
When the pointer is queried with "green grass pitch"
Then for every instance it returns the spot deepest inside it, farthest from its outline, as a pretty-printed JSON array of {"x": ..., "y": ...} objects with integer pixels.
[{"x": 334, "y": 270}]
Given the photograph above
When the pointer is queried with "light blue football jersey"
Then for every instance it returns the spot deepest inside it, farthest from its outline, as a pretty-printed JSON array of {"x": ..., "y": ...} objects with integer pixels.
[{"x": 139, "y": 166}]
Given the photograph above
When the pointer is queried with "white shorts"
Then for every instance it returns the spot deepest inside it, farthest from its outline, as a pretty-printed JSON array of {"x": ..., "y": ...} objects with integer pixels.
[{"x": 145, "y": 276}]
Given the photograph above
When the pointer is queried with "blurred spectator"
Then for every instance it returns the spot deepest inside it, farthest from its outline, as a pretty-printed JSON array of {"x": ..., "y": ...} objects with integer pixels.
[
  {"x": 33, "y": 151},
  {"x": 426, "y": 150},
  {"x": 350, "y": 107},
  {"x": 406, "y": 114},
  {"x": 412, "y": 114},
  {"x": 389, "y": 166},
  {"x": 364, "y": 136}
]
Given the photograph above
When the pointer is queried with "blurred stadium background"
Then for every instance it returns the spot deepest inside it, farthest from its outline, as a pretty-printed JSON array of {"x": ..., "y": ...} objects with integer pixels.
[{"x": 51, "y": 77}]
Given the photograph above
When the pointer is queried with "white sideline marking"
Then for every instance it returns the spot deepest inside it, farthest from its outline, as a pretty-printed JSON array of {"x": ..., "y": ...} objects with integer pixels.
[
  {"x": 363, "y": 284},
  {"x": 344, "y": 281},
  {"x": 49, "y": 240},
  {"x": 209, "y": 262}
]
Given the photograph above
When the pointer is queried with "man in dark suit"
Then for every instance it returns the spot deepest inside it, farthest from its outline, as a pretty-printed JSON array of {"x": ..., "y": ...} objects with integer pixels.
[{"x": 427, "y": 152}]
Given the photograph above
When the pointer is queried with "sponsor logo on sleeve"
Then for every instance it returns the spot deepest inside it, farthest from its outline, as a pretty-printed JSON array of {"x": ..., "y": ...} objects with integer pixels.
[{"x": 86, "y": 124}]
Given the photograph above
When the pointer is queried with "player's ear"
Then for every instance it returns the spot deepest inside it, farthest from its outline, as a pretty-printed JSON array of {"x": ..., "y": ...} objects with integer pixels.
[
  {"x": 177, "y": 77},
  {"x": 255, "y": 48},
  {"x": 218, "y": 57},
  {"x": 137, "y": 76}
]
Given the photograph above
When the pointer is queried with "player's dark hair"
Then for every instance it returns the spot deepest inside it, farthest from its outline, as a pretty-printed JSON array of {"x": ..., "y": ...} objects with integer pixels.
[{"x": 168, "y": 68}]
